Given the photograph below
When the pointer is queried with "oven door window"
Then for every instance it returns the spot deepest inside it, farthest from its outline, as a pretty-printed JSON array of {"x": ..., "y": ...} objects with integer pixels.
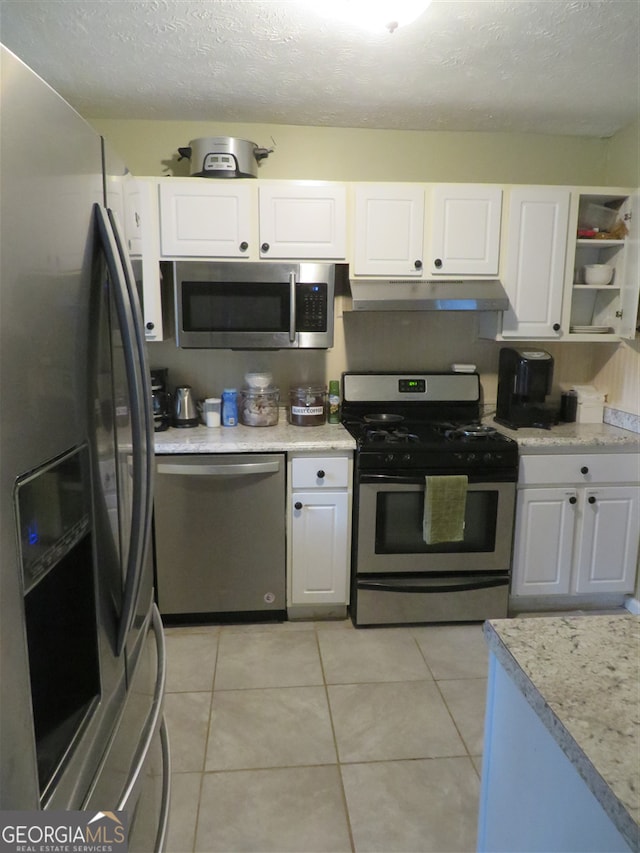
[
  {"x": 399, "y": 524},
  {"x": 389, "y": 529},
  {"x": 209, "y": 306}
]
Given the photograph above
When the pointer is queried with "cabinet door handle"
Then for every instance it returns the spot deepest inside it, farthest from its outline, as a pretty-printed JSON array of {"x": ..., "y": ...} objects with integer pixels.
[
  {"x": 244, "y": 246},
  {"x": 297, "y": 505},
  {"x": 556, "y": 327},
  {"x": 265, "y": 247},
  {"x": 321, "y": 474},
  {"x": 584, "y": 470},
  {"x": 418, "y": 264},
  {"x": 573, "y": 499},
  {"x": 437, "y": 263},
  {"x": 591, "y": 499}
]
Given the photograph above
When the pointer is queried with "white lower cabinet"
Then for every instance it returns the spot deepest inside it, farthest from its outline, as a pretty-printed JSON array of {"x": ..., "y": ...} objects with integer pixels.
[
  {"x": 319, "y": 502},
  {"x": 581, "y": 536},
  {"x": 545, "y": 525}
]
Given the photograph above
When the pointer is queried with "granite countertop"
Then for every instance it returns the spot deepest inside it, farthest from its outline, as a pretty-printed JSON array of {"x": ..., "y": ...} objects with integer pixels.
[
  {"x": 572, "y": 438},
  {"x": 243, "y": 439},
  {"x": 580, "y": 674}
]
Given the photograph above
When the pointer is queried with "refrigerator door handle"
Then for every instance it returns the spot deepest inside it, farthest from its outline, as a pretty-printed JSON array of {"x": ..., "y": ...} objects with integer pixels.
[
  {"x": 163, "y": 824},
  {"x": 155, "y": 721},
  {"x": 124, "y": 309},
  {"x": 144, "y": 449}
]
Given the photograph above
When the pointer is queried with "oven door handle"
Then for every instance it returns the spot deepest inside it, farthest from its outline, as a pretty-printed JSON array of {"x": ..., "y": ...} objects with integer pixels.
[
  {"x": 432, "y": 585},
  {"x": 408, "y": 479},
  {"x": 475, "y": 481}
]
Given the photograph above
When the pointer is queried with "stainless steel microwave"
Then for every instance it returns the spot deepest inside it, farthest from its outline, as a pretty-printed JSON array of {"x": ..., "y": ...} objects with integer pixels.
[{"x": 230, "y": 305}]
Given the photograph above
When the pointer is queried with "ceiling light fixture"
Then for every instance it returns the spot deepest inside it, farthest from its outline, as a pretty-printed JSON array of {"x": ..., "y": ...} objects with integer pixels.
[{"x": 372, "y": 15}]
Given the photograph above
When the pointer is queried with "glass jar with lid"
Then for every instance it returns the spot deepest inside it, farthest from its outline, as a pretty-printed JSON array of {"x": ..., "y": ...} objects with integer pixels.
[
  {"x": 258, "y": 406},
  {"x": 307, "y": 405}
]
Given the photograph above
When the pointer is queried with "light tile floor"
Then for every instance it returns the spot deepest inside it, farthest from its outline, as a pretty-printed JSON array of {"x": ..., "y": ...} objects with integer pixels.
[{"x": 316, "y": 736}]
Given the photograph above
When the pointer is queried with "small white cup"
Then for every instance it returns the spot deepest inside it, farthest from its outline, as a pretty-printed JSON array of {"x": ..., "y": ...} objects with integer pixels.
[{"x": 211, "y": 409}]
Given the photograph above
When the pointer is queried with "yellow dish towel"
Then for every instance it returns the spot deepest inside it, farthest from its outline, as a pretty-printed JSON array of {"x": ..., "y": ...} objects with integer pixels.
[{"x": 445, "y": 500}]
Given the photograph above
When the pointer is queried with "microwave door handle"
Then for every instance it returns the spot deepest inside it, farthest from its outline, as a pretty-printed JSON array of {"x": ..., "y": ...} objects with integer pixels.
[{"x": 292, "y": 307}]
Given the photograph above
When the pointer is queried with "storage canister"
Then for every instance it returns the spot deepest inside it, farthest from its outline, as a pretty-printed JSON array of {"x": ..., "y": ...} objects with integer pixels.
[
  {"x": 229, "y": 407},
  {"x": 258, "y": 406},
  {"x": 590, "y": 407},
  {"x": 307, "y": 405}
]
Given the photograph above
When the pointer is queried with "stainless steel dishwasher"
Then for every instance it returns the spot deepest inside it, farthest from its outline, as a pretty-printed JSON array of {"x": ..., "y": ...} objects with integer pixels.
[{"x": 220, "y": 535}]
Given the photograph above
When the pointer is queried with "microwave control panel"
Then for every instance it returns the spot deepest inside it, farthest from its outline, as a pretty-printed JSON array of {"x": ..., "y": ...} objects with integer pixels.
[{"x": 311, "y": 307}]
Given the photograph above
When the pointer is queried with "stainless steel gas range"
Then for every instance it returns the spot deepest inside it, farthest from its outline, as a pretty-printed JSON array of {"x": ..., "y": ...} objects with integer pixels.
[{"x": 420, "y": 442}]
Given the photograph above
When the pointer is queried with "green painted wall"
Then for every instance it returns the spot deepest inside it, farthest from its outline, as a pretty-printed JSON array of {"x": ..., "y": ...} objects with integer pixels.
[
  {"x": 623, "y": 158},
  {"x": 320, "y": 153}
]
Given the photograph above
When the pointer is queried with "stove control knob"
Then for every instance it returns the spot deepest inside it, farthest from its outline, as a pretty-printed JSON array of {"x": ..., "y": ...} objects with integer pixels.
[
  {"x": 488, "y": 457},
  {"x": 471, "y": 457},
  {"x": 390, "y": 457},
  {"x": 406, "y": 457}
]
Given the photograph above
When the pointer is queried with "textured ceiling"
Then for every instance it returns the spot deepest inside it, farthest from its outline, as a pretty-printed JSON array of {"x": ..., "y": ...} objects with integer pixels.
[{"x": 545, "y": 66}]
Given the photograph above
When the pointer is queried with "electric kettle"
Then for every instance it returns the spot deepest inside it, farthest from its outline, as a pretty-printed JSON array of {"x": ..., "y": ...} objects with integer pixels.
[{"x": 185, "y": 412}]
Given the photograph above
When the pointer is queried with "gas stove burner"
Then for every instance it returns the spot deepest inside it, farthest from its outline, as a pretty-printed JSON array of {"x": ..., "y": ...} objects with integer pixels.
[
  {"x": 389, "y": 435},
  {"x": 471, "y": 431}
]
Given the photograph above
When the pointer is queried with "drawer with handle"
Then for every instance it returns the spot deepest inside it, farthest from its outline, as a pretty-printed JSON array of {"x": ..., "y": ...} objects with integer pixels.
[
  {"x": 320, "y": 472},
  {"x": 581, "y": 468}
]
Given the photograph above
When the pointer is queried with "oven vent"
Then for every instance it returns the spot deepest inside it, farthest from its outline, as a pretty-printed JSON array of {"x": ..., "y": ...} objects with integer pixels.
[{"x": 411, "y": 295}]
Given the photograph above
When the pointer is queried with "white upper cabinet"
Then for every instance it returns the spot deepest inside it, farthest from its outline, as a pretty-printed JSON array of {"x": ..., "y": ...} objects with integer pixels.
[
  {"x": 206, "y": 217},
  {"x": 535, "y": 261},
  {"x": 465, "y": 229},
  {"x": 303, "y": 220},
  {"x": 388, "y": 229},
  {"x": 135, "y": 214},
  {"x": 143, "y": 241}
]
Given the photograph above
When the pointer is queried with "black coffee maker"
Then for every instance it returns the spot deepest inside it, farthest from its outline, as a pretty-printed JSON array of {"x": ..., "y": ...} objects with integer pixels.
[
  {"x": 160, "y": 399},
  {"x": 524, "y": 380}
]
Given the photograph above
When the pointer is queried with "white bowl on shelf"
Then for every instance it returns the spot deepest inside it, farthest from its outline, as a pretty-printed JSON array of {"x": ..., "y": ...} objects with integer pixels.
[{"x": 598, "y": 274}]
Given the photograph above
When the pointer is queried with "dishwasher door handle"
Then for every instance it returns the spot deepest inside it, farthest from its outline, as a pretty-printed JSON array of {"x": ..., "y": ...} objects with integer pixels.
[{"x": 240, "y": 468}]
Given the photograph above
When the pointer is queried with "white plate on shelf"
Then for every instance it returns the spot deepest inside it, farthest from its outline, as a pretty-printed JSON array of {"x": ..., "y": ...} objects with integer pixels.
[{"x": 591, "y": 330}]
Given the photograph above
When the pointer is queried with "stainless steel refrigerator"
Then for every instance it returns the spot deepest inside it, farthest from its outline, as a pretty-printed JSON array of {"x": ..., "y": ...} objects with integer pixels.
[{"x": 82, "y": 664}]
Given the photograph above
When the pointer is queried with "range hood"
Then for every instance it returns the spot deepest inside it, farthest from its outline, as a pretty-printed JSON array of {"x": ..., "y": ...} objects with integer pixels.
[{"x": 408, "y": 295}]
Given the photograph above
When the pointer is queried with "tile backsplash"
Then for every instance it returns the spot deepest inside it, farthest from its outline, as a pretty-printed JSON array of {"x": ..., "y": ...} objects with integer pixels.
[{"x": 399, "y": 341}]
